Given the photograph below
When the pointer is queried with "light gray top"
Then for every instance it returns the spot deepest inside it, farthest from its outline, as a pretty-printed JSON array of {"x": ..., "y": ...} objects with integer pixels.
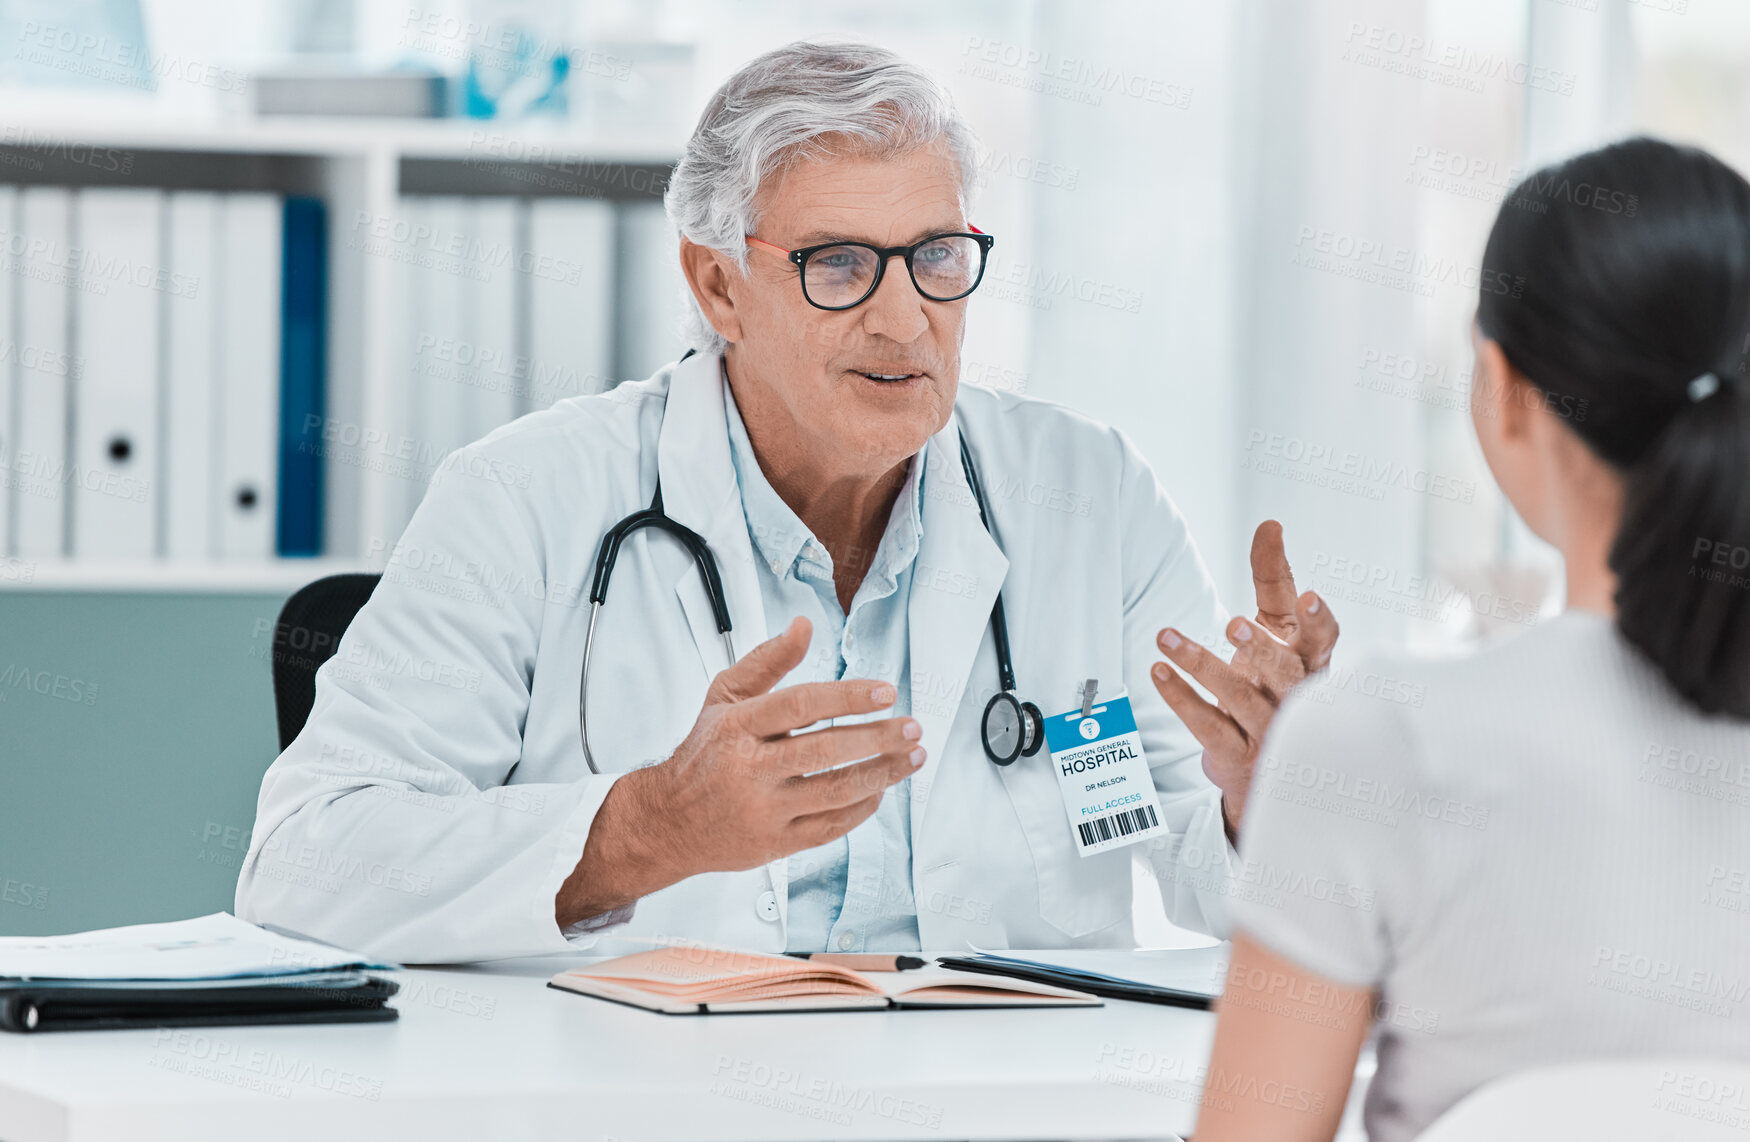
[{"x": 1537, "y": 853}]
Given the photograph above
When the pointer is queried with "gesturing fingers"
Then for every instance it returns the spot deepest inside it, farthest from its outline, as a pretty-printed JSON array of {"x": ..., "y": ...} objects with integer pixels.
[
  {"x": 814, "y": 829},
  {"x": 1317, "y": 633},
  {"x": 1259, "y": 654},
  {"x": 1272, "y": 580},
  {"x": 797, "y": 707},
  {"x": 801, "y": 754},
  {"x": 763, "y": 667},
  {"x": 849, "y": 783},
  {"x": 1212, "y": 727},
  {"x": 1240, "y": 696}
]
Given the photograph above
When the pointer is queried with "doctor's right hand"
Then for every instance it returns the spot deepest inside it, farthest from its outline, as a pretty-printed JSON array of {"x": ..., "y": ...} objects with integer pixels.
[{"x": 744, "y": 788}]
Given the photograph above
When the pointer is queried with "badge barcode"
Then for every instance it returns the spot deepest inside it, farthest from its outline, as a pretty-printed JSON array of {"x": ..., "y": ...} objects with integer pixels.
[{"x": 1117, "y": 825}]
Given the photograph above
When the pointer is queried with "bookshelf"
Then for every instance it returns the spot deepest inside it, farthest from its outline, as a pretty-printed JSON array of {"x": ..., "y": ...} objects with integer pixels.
[{"x": 360, "y": 168}]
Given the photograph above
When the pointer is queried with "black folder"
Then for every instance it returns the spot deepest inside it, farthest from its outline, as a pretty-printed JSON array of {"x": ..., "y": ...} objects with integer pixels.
[
  {"x": 29, "y": 1005},
  {"x": 1096, "y": 983}
]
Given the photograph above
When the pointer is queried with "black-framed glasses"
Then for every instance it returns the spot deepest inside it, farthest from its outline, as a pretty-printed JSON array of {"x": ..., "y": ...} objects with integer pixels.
[{"x": 841, "y": 275}]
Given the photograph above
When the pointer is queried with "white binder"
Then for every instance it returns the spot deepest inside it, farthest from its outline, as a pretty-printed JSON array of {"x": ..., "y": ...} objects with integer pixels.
[
  {"x": 571, "y": 243},
  {"x": 441, "y": 399},
  {"x": 249, "y": 358},
  {"x": 190, "y": 390},
  {"x": 496, "y": 371},
  {"x": 41, "y": 464},
  {"x": 115, "y": 494},
  {"x": 394, "y": 463},
  {"x": 467, "y": 372},
  {"x": 651, "y": 294}
]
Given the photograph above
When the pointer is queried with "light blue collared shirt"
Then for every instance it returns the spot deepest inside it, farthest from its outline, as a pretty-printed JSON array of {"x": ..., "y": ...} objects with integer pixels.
[{"x": 853, "y": 894}]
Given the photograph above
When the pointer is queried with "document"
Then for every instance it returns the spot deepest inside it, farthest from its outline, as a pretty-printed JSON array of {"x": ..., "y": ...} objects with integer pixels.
[{"x": 219, "y": 946}]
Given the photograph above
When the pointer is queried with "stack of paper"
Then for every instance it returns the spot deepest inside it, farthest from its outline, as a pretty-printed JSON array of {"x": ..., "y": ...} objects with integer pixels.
[{"x": 212, "y": 970}]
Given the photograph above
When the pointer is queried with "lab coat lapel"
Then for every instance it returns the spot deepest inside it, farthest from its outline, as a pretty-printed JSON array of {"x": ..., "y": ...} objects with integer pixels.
[
  {"x": 959, "y": 573},
  {"x": 699, "y": 490}
]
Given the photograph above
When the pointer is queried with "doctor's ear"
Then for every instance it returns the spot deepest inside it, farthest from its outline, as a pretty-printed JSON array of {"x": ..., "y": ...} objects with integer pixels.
[{"x": 709, "y": 276}]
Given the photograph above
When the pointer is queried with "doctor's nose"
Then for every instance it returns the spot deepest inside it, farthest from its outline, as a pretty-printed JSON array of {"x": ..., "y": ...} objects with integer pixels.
[{"x": 895, "y": 310}]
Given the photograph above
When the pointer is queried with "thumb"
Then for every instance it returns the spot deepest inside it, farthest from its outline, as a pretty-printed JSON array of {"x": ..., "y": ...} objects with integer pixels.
[{"x": 759, "y": 669}]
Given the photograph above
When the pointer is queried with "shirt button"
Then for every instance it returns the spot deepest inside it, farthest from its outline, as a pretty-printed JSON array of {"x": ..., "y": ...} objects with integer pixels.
[
  {"x": 847, "y": 942},
  {"x": 767, "y": 906}
]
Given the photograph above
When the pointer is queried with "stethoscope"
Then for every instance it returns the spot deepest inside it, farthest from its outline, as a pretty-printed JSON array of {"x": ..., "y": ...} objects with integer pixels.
[{"x": 1010, "y": 727}]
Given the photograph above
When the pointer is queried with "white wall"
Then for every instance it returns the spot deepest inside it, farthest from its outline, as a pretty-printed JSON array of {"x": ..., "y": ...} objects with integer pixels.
[{"x": 1144, "y": 336}]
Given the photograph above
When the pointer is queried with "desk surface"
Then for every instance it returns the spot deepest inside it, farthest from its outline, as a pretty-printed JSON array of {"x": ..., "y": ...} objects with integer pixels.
[{"x": 488, "y": 1051}]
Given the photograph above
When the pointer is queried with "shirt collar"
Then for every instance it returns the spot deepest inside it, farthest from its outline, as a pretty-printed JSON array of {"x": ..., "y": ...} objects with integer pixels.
[{"x": 780, "y": 536}]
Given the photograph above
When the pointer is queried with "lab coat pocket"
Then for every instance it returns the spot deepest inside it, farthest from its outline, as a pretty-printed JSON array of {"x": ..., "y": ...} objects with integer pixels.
[{"x": 1077, "y": 895}]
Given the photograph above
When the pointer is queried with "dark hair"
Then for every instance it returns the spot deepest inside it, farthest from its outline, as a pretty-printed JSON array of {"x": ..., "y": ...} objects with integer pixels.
[{"x": 1630, "y": 268}]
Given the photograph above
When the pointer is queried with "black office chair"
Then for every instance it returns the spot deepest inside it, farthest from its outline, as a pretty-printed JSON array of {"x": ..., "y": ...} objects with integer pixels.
[{"x": 307, "y": 635}]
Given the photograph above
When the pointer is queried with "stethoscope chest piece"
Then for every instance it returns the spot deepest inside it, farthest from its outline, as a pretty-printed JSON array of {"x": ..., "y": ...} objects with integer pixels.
[{"x": 1012, "y": 728}]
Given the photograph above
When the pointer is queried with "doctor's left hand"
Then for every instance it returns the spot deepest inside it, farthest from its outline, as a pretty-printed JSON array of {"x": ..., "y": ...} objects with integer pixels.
[{"x": 1291, "y": 639}]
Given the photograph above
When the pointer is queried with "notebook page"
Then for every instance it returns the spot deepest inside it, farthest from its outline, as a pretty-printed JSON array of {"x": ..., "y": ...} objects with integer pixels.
[
  {"x": 698, "y": 973},
  {"x": 910, "y": 984}
]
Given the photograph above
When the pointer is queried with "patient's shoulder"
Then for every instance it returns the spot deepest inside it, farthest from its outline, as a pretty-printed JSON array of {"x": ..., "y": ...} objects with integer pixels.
[{"x": 1507, "y": 713}]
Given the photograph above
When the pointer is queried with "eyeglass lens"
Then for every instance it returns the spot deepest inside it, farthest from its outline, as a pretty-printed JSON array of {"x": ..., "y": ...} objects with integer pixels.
[{"x": 943, "y": 269}]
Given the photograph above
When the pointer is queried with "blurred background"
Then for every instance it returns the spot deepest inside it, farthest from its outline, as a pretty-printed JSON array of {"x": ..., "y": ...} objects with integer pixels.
[{"x": 267, "y": 263}]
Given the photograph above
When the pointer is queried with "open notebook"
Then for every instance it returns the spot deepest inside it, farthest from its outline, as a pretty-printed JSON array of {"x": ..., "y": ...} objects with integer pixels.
[{"x": 696, "y": 980}]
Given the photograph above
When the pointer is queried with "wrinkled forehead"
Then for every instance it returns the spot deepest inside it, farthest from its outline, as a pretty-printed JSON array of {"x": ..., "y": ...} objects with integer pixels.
[{"x": 842, "y": 190}]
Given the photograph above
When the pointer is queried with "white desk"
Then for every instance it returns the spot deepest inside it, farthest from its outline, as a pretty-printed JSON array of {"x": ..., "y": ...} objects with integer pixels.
[{"x": 490, "y": 1053}]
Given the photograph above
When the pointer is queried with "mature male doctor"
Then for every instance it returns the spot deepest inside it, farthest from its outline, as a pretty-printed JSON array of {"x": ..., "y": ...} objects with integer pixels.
[{"x": 828, "y": 789}]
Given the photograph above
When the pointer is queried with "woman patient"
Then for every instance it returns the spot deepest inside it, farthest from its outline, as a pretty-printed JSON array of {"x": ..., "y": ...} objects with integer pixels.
[{"x": 1547, "y": 858}]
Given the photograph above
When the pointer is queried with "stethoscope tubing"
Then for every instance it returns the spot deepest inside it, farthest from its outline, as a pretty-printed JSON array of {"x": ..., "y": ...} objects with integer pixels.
[
  {"x": 583, "y": 682},
  {"x": 608, "y": 553}
]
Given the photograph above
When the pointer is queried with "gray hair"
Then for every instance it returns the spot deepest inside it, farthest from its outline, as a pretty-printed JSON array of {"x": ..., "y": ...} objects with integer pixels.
[{"x": 790, "y": 104}]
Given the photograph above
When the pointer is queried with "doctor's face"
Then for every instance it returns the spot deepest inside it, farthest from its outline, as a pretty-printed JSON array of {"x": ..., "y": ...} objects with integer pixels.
[{"x": 872, "y": 383}]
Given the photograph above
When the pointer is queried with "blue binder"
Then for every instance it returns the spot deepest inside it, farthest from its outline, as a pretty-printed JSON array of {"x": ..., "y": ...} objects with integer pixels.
[{"x": 303, "y": 376}]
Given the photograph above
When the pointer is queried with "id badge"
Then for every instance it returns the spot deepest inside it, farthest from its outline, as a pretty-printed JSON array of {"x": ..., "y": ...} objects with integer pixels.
[{"x": 1108, "y": 791}]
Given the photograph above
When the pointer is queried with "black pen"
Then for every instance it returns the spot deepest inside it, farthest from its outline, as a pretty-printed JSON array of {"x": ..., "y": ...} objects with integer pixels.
[{"x": 862, "y": 961}]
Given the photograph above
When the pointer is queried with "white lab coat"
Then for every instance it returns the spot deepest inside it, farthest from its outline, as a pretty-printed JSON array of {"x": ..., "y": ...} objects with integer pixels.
[{"x": 438, "y": 795}]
